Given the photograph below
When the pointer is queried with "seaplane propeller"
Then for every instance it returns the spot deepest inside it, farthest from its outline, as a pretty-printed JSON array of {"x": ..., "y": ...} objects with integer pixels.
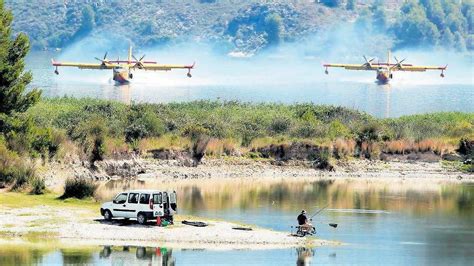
[
  {"x": 139, "y": 63},
  {"x": 368, "y": 63},
  {"x": 399, "y": 63},
  {"x": 104, "y": 61}
]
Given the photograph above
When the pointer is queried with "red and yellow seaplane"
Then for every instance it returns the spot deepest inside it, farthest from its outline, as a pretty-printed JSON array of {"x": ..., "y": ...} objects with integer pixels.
[
  {"x": 122, "y": 70},
  {"x": 385, "y": 70}
]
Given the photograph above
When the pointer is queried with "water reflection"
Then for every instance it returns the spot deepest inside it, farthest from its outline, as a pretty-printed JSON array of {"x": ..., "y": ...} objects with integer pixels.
[
  {"x": 127, "y": 255},
  {"x": 416, "y": 198},
  {"x": 304, "y": 256},
  {"x": 107, "y": 255}
]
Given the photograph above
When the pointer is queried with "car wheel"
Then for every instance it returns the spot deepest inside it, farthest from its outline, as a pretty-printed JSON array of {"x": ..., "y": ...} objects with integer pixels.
[
  {"x": 107, "y": 215},
  {"x": 141, "y": 218}
]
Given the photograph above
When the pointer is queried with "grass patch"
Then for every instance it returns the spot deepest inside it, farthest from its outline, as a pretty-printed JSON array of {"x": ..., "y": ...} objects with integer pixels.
[
  {"x": 22, "y": 200},
  {"x": 40, "y": 236}
]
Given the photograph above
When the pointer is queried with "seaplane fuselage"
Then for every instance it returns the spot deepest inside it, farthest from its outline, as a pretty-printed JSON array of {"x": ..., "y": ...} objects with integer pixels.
[{"x": 121, "y": 74}]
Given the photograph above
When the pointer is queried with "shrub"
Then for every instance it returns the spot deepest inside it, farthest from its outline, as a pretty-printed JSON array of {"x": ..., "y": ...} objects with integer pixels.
[
  {"x": 91, "y": 135},
  {"x": 280, "y": 125},
  {"x": 218, "y": 147},
  {"x": 13, "y": 169},
  {"x": 466, "y": 147},
  {"x": 38, "y": 185},
  {"x": 135, "y": 132},
  {"x": 46, "y": 141},
  {"x": 439, "y": 147},
  {"x": 194, "y": 131},
  {"x": 78, "y": 188},
  {"x": 22, "y": 176},
  {"x": 115, "y": 147},
  {"x": 398, "y": 147},
  {"x": 199, "y": 149},
  {"x": 322, "y": 162},
  {"x": 167, "y": 141},
  {"x": 343, "y": 148},
  {"x": 337, "y": 130}
]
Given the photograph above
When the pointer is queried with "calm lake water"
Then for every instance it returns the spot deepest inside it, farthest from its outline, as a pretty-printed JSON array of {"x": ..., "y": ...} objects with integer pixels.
[
  {"x": 409, "y": 93},
  {"x": 408, "y": 223}
]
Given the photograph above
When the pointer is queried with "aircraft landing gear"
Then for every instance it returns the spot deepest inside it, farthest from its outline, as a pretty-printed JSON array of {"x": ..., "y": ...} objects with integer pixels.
[
  {"x": 326, "y": 71},
  {"x": 391, "y": 76},
  {"x": 189, "y": 74},
  {"x": 130, "y": 75},
  {"x": 442, "y": 74},
  {"x": 56, "y": 71}
]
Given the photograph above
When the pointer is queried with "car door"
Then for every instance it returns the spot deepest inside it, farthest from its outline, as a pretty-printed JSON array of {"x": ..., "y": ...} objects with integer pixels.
[
  {"x": 158, "y": 204},
  {"x": 119, "y": 204},
  {"x": 130, "y": 209},
  {"x": 144, "y": 203}
]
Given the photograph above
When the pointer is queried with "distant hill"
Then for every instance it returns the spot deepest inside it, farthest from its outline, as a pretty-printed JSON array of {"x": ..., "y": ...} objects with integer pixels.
[{"x": 243, "y": 26}]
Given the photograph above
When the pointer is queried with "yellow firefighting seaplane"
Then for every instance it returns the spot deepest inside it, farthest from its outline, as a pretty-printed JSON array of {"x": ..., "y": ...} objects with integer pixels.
[
  {"x": 385, "y": 70},
  {"x": 122, "y": 70}
]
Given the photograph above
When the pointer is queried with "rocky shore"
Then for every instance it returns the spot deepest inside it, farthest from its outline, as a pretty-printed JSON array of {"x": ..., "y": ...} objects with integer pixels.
[{"x": 238, "y": 167}]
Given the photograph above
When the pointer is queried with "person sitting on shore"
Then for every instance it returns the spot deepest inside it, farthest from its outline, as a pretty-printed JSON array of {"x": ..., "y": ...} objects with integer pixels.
[{"x": 303, "y": 221}]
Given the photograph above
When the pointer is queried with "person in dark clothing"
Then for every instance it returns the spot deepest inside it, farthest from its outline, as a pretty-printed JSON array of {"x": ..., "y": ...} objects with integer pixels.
[{"x": 303, "y": 221}]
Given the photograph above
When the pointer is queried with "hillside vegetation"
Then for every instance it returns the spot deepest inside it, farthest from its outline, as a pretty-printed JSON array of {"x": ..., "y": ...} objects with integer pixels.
[
  {"x": 245, "y": 26},
  {"x": 98, "y": 129}
]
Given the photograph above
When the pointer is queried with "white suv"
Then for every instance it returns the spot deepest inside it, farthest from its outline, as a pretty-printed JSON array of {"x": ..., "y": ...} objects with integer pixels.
[{"x": 141, "y": 204}]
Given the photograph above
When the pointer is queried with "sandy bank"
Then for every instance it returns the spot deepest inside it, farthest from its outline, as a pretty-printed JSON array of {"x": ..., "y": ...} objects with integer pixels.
[
  {"x": 241, "y": 168},
  {"x": 83, "y": 227}
]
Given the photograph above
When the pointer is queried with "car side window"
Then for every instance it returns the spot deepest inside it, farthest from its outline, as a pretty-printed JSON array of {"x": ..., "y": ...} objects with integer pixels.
[
  {"x": 133, "y": 198},
  {"x": 121, "y": 198},
  {"x": 144, "y": 198},
  {"x": 157, "y": 198}
]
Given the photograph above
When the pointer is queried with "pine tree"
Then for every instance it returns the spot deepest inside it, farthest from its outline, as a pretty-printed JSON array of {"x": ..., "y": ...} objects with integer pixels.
[
  {"x": 447, "y": 38},
  {"x": 13, "y": 78}
]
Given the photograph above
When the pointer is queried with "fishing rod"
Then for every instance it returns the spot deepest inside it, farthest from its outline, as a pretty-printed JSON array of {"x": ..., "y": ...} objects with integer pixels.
[
  {"x": 331, "y": 224},
  {"x": 320, "y": 210}
]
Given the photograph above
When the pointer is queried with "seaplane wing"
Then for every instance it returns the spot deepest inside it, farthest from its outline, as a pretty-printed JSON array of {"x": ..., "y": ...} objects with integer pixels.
[
  {"x": 104, "y": 65},
  {"x": 417, "y": 68},
  {"x": 158, "y": 67},
  {"x": 352, "y": 66}
]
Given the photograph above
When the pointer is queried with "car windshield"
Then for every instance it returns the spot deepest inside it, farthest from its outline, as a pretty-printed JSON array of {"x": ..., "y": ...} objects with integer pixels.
[{"x": 121, "y": 198}]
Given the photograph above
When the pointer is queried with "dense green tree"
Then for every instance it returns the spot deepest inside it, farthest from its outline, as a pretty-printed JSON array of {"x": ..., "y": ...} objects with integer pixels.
[
  {"x": 13, "y": 79},
  {"x": 273, "y": 28},
  {"x": 447, "y": 38},
  {"x": 435, "y": 12},
  {"x": 459, "y": 42},
  {"x": 467, "y": 9},
  {"x": 413, "y": 28}
]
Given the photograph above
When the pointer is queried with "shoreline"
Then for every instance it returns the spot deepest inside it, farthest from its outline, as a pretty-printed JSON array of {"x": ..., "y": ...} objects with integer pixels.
[
  {"x": 82, "y": 227},
  {"x": 146, "y": 169}
]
